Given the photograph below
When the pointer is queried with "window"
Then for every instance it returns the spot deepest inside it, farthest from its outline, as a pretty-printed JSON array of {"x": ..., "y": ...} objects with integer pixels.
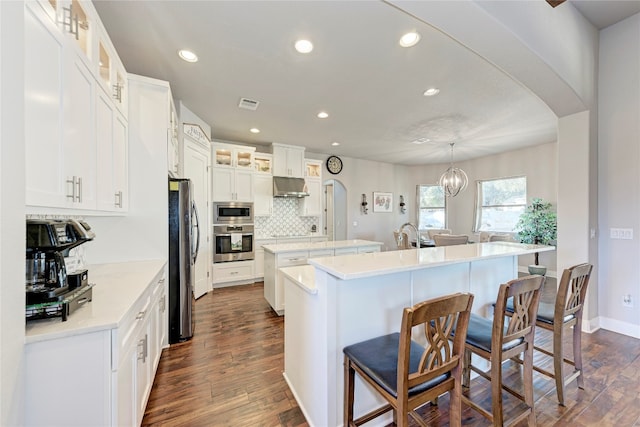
[
  {"x": 431, "y": 207},
  {"x": 499, "y": 203}
]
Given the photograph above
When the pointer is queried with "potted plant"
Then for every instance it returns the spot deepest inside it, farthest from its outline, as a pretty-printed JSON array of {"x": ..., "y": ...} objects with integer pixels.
[{"x": 537, "y": 225}]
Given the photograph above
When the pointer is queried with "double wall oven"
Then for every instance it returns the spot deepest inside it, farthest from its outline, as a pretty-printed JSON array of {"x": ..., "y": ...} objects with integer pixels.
[{"x": 232, "y": 231}]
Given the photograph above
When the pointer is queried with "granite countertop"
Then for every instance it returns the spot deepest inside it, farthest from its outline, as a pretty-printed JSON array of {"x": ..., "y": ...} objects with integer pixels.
[
  {"x": 309, "y": 246},
  {"x": 117, "y": 288},
  {"x": 348, "y": 267}
]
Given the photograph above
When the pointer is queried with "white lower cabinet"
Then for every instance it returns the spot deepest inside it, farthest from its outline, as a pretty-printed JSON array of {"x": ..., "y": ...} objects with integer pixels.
[
  {"x": 232, "y": 273},
  {"x": 107, "y": 374},
  {"x": 258, "y": 265}
]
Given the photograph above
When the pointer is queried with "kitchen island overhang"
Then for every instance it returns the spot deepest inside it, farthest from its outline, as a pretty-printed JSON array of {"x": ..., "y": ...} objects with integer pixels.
[{"x": 337, "y": 301}]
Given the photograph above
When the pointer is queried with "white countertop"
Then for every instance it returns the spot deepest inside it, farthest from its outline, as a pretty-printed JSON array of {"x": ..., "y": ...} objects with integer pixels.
[
  {"x": 117, "y": 288},
  {"x": 348, "y": 267},
  {"x": 306, "y": 246},
  {"x": 302, "y": 275}
]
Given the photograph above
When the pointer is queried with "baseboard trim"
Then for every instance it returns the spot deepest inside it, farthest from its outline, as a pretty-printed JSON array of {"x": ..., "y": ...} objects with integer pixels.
[{"x": 613, "y": 325}]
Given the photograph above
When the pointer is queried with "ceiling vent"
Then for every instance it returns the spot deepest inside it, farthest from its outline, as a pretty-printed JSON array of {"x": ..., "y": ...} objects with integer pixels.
[{"x": 248, "y": 104}]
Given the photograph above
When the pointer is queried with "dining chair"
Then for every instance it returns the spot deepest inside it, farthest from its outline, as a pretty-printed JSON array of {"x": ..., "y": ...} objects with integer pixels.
[
  {"x": 401, "y": 242},
  {"x": 501, "y": 238},
  {"x": 408, "y": 374},
  {"x": 450, "y": 239},
  {"x": 483, "y": 236},
  {"x": 501, "y": 339},
  {"x": 559, "y": 317},
  {"x": 433, "y": 231}
]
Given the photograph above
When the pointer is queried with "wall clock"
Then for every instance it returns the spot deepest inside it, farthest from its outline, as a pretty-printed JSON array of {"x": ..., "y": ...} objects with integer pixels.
[{"x": 334, "y": 164}]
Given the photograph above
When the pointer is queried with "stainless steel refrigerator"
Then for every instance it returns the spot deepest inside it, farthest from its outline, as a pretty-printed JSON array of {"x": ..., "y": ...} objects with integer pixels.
[{"x": 184, "y": 241}]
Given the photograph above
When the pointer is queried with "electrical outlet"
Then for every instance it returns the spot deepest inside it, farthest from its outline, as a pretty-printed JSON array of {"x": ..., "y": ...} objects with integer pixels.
[
  {"x": 614, "y": 233},
  {"x": 627, "y": 301},
  {"x": 626, "y": 233}
]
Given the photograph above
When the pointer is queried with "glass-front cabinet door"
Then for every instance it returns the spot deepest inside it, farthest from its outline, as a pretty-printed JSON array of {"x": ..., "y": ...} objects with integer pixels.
[{"x": 263, "y": 162}]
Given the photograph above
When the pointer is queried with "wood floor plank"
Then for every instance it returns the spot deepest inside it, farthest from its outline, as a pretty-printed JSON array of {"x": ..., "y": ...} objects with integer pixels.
[{"x": 230, "y": 374}]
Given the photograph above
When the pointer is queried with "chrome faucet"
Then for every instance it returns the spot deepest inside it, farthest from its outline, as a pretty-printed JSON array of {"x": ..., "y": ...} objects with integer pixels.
[{"x": 415, "y": 229}]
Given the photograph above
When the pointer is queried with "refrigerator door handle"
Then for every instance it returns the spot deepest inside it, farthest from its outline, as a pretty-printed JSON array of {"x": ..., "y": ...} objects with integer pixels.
[{"x": 197, "y": 227}]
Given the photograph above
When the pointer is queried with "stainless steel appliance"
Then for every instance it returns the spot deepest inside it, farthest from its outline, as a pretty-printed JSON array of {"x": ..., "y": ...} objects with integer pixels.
[
  {"x": 233, "y": 242},
  {"x": 50, "y": 292},
  {"x": 184, "y": 242},
  {"x": 233, "y": 213}
]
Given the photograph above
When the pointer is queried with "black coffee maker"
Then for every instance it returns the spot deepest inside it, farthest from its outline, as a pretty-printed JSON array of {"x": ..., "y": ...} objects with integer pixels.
[{"x": 48, "y": 241}]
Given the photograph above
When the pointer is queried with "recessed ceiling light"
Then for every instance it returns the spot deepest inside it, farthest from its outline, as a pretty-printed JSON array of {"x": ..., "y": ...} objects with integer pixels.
[
  {"x": 187, "y": 55},
  {"x": 335, "y": 143},
  {"x": 254, "y": 130},
  {"x": 420, "y": 141},
  {"x": 304, "y": 46},
  {"x": 431, "y": 91},
  {"x": 409, "y": 39},
  {"x": 323, "y": 115}
]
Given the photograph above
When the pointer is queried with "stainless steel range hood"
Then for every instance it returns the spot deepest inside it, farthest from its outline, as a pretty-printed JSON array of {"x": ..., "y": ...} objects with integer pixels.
[{"x": 289, "y": 187}]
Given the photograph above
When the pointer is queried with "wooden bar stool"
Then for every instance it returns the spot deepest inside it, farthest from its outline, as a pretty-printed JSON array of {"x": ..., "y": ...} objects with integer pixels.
[
  {"x": 496, "y": 342},
  {"x": 559, "y": 316},
  {"x": 406, "y": 374}
]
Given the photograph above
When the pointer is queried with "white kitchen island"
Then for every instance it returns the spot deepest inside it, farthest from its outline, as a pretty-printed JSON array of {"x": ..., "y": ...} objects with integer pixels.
[
  {"x": 337, "y": 301},
  {"x": 290, "y": 254}
]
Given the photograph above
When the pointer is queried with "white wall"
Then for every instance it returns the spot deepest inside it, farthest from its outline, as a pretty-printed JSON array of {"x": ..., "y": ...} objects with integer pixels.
[
  {"x": 538, "y": 164},
  {"x": 12, "y": 217},
  {"x": 619, "y": 174},
  {"x": 363, "y": 176}
]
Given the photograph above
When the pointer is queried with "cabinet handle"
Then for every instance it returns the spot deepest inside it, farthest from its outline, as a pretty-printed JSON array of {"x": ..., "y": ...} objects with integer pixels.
[
  {"x": 72, "y": 196},
  {"x": 233, "y": 272},
  {"x": 79, "y": 197},
  {"x": 118, "y": 202},
  {"x": 143, "y": 348},
  {"x": 117, "y": 92},
  {"x": 141, "y": 314}
]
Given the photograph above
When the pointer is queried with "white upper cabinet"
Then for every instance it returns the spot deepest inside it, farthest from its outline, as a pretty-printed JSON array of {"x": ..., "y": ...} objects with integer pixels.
[
  {"x": 262, "y": 194},
  {"x": 79, "y": 135},
  {"x": 312, "y": 204},
  {"x": 43, "y": 82},
  {"x": 233, "y": 167},
  {"x": 75, "y": 121},
  {"x": 233, "y": 156},
  {"x": 112, "y": 152},
  {"x": 288, "y": 160}
]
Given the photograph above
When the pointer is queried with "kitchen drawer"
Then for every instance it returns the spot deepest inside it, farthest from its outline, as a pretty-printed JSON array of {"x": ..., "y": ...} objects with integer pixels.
[
  {"x": 368, "y": 249},
  {"x": 232, "y": 271},
  {"x": 292, "y": 258},
  {"x": 320, "y": 253},
  {"x": 346, "y": 251}
]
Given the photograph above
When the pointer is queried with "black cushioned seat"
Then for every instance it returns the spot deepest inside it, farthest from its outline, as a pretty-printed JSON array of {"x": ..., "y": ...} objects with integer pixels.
[
  {"x": 479, "y": 334},
  {"x": 378, "y": 358},
  {"x": 545, "y": 312}
]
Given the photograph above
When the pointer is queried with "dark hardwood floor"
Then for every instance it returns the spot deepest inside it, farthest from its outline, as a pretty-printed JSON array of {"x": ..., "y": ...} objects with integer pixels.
[{"x": 230, "y": 374}]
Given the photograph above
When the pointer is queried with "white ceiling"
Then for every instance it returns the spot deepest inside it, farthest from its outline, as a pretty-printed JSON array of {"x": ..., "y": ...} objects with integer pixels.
[{"x": 370, "y": 86}]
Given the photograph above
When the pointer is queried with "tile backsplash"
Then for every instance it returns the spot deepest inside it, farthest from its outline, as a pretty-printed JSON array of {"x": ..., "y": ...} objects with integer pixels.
[{"x": 285, "y": 220}]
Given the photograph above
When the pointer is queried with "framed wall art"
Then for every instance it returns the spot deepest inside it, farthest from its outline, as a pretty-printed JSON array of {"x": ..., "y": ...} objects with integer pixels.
[{"x": 382, "y": 202}]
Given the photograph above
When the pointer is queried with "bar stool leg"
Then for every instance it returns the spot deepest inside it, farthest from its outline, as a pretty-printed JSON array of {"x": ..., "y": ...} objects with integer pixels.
[
  {"x": 558, "y": 362},
  {"x": 349, "y": 379},
  {"x": 577, "y": 350},
  {"x": 527, "y": 375},
  {"x": 496, "y": 390}
]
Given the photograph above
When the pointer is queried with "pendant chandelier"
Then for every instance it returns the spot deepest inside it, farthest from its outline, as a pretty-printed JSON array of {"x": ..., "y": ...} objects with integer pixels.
[{"x": 453, "y": 180}]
